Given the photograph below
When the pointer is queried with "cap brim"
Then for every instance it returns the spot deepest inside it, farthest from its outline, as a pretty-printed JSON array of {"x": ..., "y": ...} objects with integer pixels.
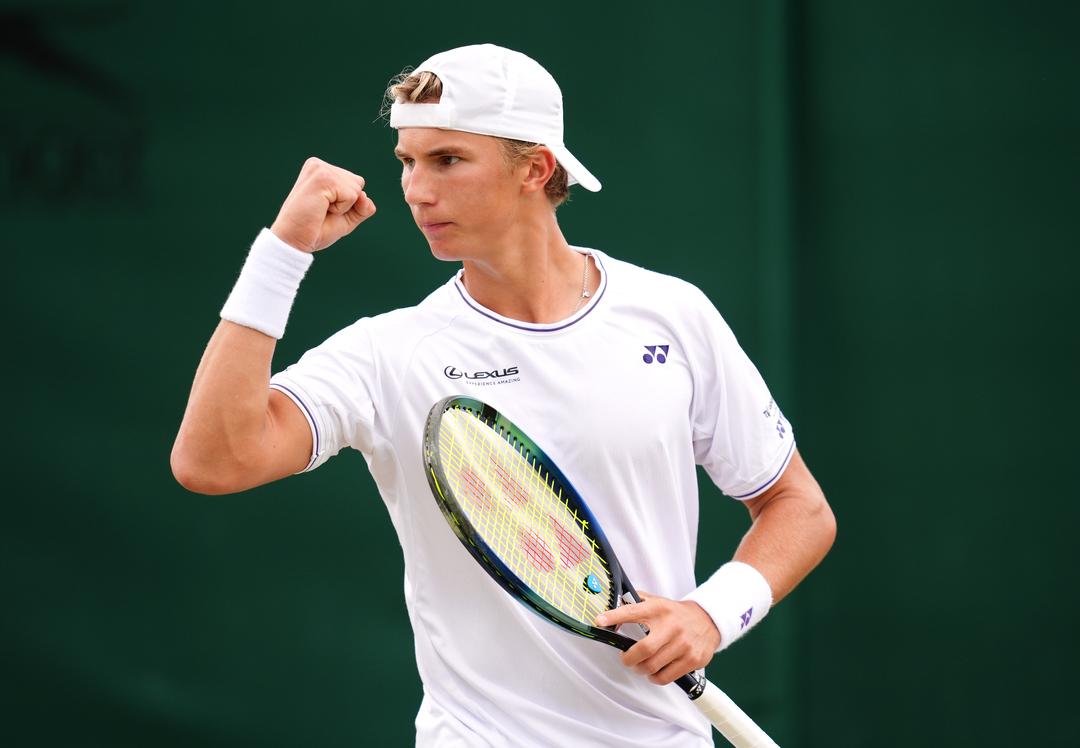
[{"x": 577, "y": 173}]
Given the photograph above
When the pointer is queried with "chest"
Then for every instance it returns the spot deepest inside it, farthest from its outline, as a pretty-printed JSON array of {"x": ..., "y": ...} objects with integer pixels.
[{"x": 616, "y": 395}]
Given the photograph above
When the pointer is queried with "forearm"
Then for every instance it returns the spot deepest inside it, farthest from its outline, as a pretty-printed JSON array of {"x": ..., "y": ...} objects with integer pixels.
[
  {"x": 790, "y": 534},
  {"x": 227, "y": 413},
  {"x": 793, "y": 528}
]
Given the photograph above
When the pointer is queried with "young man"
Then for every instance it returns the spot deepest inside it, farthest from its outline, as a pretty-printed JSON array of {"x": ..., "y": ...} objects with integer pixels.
[{"x": 641, "y": 364}]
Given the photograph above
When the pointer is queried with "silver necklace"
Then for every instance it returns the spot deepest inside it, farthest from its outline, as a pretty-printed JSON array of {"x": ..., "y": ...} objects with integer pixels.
[{"x": 584, "y": 285}]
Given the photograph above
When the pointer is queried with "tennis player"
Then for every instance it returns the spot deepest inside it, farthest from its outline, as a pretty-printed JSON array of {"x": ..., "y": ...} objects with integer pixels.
[{"x": 629, "y": 378}]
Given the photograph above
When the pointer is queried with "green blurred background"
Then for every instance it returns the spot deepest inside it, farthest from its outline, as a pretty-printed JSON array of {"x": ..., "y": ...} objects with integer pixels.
[{"x": 880, "y": 197}]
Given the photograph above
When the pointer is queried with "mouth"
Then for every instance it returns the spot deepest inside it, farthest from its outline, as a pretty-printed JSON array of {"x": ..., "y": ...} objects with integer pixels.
[{"x": 433, "y": 228}]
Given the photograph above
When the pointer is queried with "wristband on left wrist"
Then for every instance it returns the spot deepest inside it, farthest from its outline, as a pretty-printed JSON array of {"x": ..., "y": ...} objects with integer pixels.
[{"x": 736, "y": 597}]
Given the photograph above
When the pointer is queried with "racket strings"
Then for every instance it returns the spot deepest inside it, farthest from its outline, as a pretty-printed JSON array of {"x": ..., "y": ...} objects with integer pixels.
[{"x": 521, "y": 513}]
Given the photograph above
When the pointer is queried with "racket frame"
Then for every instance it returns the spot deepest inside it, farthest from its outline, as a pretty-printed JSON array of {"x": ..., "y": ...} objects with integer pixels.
[{"x": 621, "y": 588}]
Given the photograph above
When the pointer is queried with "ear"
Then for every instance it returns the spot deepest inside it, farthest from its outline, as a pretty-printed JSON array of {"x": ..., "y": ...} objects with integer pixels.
[{"x": 541, "y": 166}]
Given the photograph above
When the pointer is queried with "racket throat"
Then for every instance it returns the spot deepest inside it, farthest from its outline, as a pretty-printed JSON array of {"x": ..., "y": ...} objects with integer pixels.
[{"x": 635, "y": 631}]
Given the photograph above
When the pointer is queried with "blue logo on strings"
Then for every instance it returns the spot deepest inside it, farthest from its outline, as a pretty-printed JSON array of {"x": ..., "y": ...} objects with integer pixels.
[{"x": 592, "y": 584}]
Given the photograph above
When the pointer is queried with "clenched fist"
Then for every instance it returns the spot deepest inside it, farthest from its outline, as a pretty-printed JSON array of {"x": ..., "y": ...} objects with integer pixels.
[{"x": 326, "y": 203}]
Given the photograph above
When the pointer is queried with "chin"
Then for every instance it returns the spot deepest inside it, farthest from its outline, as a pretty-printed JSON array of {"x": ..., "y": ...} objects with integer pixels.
[{"x": 442, "y": 251}]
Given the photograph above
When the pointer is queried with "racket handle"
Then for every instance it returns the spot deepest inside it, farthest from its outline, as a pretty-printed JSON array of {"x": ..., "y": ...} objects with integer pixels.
[{"x": 730, "y": 720}]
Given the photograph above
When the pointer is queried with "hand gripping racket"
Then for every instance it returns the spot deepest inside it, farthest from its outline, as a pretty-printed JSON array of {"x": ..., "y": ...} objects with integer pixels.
[{"x": 520, "y": 518}]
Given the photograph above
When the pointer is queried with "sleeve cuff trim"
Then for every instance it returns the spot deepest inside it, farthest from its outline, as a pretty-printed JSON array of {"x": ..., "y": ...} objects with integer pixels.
[
  {"x": 316, "y": 441},
  {"x": 773, "y": 479}
]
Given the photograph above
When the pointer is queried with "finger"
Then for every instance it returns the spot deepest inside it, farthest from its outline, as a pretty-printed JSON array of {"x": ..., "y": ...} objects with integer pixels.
[
  {"x": 341, "y": 199},
  {"x": 672, "y": 671},
  {"x": 629, "y": 613},
  {"x": 344, "y": 176},
  {"x": 641, "y": 651},
  {"x": 663, "y": 655}
]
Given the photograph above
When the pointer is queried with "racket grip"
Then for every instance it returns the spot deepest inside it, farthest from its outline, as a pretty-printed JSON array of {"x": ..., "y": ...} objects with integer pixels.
[{"x": 730, "y": 720}]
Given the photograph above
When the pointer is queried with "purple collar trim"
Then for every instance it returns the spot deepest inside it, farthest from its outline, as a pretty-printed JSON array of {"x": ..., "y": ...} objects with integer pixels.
[{"x": 536, "y": 328}]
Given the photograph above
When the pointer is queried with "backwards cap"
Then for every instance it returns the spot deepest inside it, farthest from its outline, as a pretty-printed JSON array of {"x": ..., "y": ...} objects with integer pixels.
[{"x": 491, "y": 90}]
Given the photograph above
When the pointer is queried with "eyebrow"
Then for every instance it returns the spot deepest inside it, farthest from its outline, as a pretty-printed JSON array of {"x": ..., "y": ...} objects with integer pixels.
[{"x": 448, "y": 150}]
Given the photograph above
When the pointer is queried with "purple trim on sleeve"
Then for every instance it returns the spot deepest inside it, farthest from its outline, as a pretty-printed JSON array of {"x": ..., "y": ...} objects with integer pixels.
[
  {"x": 311, "y": 419},
  {"x": 536, "y": 328},
  {"x": 776, "y": 475}
]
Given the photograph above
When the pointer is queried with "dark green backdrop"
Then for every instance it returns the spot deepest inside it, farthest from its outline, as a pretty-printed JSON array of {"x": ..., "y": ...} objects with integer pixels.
[{"x": 880, "y": 197}]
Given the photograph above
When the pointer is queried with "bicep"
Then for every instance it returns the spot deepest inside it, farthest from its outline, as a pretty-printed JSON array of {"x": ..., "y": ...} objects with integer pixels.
[{"x": 287, "y": 442}]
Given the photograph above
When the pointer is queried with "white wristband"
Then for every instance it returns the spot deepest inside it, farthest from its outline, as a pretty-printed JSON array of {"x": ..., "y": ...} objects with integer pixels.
[
  {"x": 264, "y": 292},
  {"x": 736, "y": 597}
]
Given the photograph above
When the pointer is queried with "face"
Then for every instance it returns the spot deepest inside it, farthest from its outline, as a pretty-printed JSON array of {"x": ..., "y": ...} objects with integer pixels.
[{"x": 462, "y": 193}]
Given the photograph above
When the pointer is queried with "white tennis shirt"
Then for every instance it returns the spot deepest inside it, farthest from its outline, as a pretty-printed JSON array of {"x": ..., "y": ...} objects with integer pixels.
[{"x": 626, "y": 396}]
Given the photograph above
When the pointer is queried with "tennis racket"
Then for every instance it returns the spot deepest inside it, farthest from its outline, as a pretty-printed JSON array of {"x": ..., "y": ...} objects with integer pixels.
[{"x": 524, "y": 523}]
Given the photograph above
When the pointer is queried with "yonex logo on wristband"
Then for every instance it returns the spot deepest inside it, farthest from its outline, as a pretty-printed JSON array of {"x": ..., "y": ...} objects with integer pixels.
[
  {"x": 745, "y": 618},
  {"x": 656, "y": 352}
]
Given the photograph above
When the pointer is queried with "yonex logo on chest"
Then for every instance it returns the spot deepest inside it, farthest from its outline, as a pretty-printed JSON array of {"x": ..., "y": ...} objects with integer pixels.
[{"x": 658, "y": 353}]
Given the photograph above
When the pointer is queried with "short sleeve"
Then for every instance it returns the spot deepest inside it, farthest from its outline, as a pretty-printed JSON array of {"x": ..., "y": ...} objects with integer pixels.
[
  {"x": 332, "y": 385},
  {"x": 741, "y": 437}
]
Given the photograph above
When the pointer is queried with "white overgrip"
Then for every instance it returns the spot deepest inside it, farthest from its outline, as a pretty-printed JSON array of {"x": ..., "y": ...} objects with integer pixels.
[{"x": 732, "y": 722}]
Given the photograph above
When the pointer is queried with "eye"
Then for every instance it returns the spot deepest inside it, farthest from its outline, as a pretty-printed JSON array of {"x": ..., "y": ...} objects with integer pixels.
[
  {"x": 406, "y": 162},
  {"x": 449, "y": 160}
]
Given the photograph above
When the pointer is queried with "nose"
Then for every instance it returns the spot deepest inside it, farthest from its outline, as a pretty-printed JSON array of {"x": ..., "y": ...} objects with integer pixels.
[{"x": 417, "y": 186}]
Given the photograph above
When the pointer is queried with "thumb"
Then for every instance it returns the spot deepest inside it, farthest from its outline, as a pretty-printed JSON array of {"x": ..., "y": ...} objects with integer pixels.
[{"x": 362, "y": 209}]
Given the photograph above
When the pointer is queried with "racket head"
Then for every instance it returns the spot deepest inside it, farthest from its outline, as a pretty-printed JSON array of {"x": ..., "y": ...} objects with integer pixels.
[{"x": 520, "y": 517}]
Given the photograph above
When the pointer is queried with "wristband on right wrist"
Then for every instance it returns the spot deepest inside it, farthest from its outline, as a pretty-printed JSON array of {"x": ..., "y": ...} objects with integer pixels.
[
  {"x": 736, "y": 597},
  {"x": 263, "y": 295}
]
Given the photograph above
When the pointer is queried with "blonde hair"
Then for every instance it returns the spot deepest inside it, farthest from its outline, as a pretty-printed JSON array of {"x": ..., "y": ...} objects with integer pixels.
[{"x": 426, "y": 88}]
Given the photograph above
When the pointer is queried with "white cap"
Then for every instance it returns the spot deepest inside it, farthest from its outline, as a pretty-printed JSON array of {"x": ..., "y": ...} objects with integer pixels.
[{"x": 490, "y": 90}]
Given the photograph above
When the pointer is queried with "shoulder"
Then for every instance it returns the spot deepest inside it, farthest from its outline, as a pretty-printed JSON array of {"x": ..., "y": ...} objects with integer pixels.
[
  {"x": 383, "y": 335},
  {"x": 411, "y": 322},
  {"x": 634, "y": 284}
]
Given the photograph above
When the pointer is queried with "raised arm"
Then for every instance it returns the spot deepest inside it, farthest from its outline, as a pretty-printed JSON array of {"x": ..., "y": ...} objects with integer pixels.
[{"x": 237, "y": 433}]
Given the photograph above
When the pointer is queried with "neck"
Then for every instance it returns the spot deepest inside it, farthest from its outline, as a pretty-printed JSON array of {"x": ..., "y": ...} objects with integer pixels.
[{"x": 533, "y": 277}]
